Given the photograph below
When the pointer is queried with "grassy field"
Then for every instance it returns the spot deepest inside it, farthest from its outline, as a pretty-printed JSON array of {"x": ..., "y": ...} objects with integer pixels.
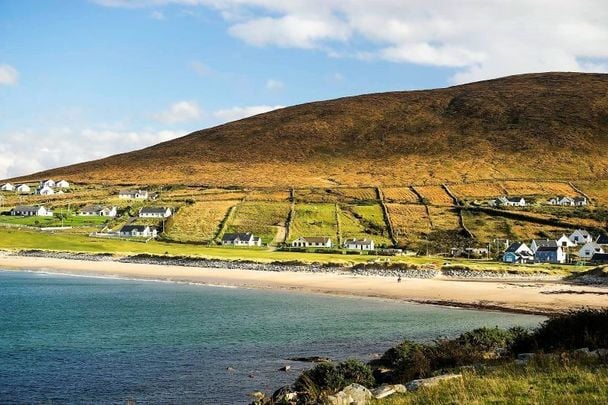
[
  {"x": 546, "y": 188},
  {"x": 399, "y": 194},
  {"x": 198, "y": 222},
  {"x": 597, "y": 190},
  {"x": 478, "y": 190},
  {"x": 54, "y": 221},
  {"x": 314, "y": 220},
  {"x": 260, "y": 218},
  {"x": 410, "y": 222},
  {"x": 543, "y": 382},
  {"x": 364, "y": 221},
  {"x": 268, "y": 195}
]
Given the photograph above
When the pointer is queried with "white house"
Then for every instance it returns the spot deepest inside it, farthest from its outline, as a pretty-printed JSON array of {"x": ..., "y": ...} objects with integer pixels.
[
  {"x": 155, "y": 212},
  {"x": 7, "y": 187},
  {"x": 133, "y": 194},
  {"x": 241, "y": 239},
  {"x": 98, "y": 211},
  {"x": 323, "y": 242},
  {"x": 589, "y": 249},
  {"x": 518, "y": 252},
  {"x": 31, "y": 211},
  {"x": 23, "y": 189},
  {"x": 48, "y": 183},
  {"x": 359, "y": 244},
  {"x": 561, "y": 200},
  {"x": 63, "y": 184},
  {"x": 45, "y": 190},
  {"x": 580, "y": 237},
  {"x": 565, "y": 242},
  {"x": 510, "y": 201},
  {"x": 537, "y": 243},
  {"x": 138, "y": 231}
]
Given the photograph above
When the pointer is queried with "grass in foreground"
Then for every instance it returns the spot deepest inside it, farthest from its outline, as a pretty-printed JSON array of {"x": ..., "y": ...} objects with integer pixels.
[{"x": 546, "y": 381}]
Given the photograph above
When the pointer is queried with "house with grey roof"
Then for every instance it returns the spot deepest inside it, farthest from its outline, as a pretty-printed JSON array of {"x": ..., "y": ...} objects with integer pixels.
[
  {"x": 518, "y": 252},
  {"x": 536, "y": 243},
  {"x": 45, "y": 190},
  {"x": 23, "y": 189},
  {"x": 47, "y": 183},
  {"x": 305, "y": 242},
  {"x": 155, "y": 212},
  {"x": 509, "y": 202},
  {"x": 589, "y": 249},
  {"x": 98, "y": 211},
  {"x": 31, "y": 211},
  {"x": 550, "y": 254},
  {"x": 133, "y": 194},
  {"x": 241, "y": 239},
  {"x": 63, "y": 184},
  {"x": 138, "y": 231},
  {"x": 580, "y": 237},
  {"x": 359, "y": 244}
]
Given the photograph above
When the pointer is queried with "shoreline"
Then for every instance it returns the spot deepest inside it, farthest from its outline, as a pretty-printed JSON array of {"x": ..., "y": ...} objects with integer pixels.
[{"x": 530, "y": 296}]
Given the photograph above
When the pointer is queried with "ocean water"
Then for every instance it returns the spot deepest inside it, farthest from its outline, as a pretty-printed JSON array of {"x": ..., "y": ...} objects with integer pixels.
[{"x": 67, "y": 339}]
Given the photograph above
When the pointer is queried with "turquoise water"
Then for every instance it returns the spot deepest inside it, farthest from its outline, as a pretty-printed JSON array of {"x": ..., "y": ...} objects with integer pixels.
[{"x": 78, "y": 339}]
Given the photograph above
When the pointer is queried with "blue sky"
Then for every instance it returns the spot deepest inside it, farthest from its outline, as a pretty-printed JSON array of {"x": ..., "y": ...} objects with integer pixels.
[{"x": 84, "y": 79}]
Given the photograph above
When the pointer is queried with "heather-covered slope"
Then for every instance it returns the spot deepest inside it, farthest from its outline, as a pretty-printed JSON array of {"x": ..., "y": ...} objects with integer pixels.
[{"x": 550, "y": 125}]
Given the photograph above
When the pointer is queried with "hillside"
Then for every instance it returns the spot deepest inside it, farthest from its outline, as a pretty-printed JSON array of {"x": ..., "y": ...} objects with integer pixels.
[{"x": 549, "y": 126}]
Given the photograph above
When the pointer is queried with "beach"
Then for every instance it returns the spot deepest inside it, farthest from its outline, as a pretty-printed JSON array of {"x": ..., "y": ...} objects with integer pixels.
[{"x": 526, "y": 296}]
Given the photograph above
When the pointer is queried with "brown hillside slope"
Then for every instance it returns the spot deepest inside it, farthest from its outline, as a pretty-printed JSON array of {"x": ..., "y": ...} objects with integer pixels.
[{"x": 550, "y": 125}]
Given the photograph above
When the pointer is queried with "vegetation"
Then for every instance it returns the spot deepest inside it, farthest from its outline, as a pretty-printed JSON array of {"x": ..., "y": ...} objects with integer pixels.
[
  {"x": 314, "y": 220},
  {"x": 199, "y": 221},
  {"x": 260, "y": 218},
  {"x": 400, "y": 194},
  {"x": 364, "y": 221},
  {"x": 435, "y": 195},
  {"x": 410, "y": 222}
]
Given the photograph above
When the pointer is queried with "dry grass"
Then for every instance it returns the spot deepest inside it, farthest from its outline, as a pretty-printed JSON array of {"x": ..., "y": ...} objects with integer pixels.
[
  {"x": 477, "y": 190},
  {"x": 410, "y": 222},
  {"x": 399, "y": 194},
  {"x": 538, "y": 188},
  {"x": 268, "y": 195},
  {"x": 597, "y": 190},
  {"x": 444, "y": 218},
  {"x": 260, "y": 218},
  {"x": 435, "y": 195},
  {"x": 198, "y": 222}
]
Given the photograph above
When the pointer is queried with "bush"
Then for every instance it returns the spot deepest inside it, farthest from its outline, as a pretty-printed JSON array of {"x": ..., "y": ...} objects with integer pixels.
[
  {"x": 327, "y": 378},
  {"x": 574, "y": 330},
  {"x": 406, "y": 361},
  {"x": 355, "y": 372}
]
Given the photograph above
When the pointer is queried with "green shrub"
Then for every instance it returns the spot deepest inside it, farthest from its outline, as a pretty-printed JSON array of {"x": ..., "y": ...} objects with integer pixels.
[
  {"x": 327, "y": 378},
  {"x": 354, "y": 371}
]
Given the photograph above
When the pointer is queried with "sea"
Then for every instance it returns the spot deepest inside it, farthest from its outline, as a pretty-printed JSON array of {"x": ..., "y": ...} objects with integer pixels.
[{"x": 75, "y": 339}]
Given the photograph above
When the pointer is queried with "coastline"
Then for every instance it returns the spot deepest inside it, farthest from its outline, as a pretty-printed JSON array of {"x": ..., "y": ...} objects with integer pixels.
[{"x": 532, "y": 296}]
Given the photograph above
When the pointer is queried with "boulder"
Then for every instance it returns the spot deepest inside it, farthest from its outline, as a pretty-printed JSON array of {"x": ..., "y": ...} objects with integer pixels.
[
  {"x": 400, "y": 388},
  {"x": 600, "y": 352},
  {"x": 582, "y": 350},
  {"x": 430, "y": 382},
  {"x": 525, "y": 356},
  {"x": 383, "y": 391},
  {"x": 285, "y": 395},
  {"x": 258, "y": 397},
  {"x": 354, "y": 394}
]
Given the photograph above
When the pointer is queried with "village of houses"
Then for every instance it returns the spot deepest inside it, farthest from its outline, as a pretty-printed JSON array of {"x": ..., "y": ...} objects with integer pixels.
[{"x": 576, "y": 247}]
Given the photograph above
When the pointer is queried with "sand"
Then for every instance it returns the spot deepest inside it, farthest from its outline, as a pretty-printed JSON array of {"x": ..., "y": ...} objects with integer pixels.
[{"x": 541, "y": 297}]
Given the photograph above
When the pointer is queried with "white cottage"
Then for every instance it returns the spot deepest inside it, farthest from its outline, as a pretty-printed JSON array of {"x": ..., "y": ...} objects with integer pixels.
[
  {"x": 510, "y": 202},
  {"x": 133, "y": 194},
  {"x": 98, "y": 211},
  {"x": 322, "y": 242},
  {"x": 241, "y": 239},
  {"x": 63, "y": 184},
  {"x": 565, "y": 242},
  {"x": 138, "y": 231},
  {"x": 7, "y": 187},
  {"x": 48, "y": 183},
  {"x": 580, "y": 237},
  {"x": 45, "y": 190},
  {"x": 31, "y": 211},
  {"x": 24, "y": 189},
  {"x": 359, "y": 244},
  {"x": 589, "y": 249},
  {"x": 155, "y": 212}
]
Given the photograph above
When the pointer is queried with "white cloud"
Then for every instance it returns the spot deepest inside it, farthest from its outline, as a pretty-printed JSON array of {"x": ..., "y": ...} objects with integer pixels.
[
  {"x": 8, "y": 75},
  {"x": 478, "y": 39},
  {"x": 54, "y": 147},
  {"x": 236, "y": 113},
  {"x": 272, "y": 84},
  {"x": 181, "y": 111},
  {"x": 157, "y": 15}
]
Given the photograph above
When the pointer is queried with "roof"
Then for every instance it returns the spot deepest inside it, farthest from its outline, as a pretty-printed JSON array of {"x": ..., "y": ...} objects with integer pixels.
[
  {"x": 545, "y": 242},
  {"x": 231, "y": 237},
  {"x": 602, "y": 239},
  {"x": 140, "y": 228},
  {"x": 580, "y": 199},
  {"x": 132, "y": 191},
  {"x": 594, "y": 245},
  {"x": 547, "y": 249},
  {"x": 359, "y": 241},
  {"x": 316, "y": 239},
  {"x": 92, "y": 208},
  {"x": 153, "y": 210},
  {"x": 26, "y": 208},
  {"x": 515, "y": 199},
  {"x": 513, "y": 247},
  {"x": 582, "y": 232}
]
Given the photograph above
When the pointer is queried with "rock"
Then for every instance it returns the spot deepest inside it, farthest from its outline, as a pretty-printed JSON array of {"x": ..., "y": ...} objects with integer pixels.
[
  {"x": 601, "y": 352},
  {"x": 285, "y": 368},
  {"x": 400, "y": 388},
  {"x": 354, "y": 394},
  {"x": 311, "y": 359},
  {"x": 383, "y": 391},
  {"x": 257, "y": 395},
  {"x": 582, "y": 350},
  {"x": 525, "y": 356},
  {"x": 285, "y": 395},
  {"x": 251, "y": 375},
  {"x": 232, "y": 370},
  {"x": 430, "y": 382}
]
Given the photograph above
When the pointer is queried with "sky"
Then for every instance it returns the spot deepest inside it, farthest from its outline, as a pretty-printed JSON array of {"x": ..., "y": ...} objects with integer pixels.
[{"x": 84, "y": 79}]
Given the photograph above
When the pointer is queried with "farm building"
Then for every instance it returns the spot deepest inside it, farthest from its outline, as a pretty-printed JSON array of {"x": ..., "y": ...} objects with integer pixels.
[
  {"x": 138, "y": 231},
  {"x": 241, "y": 239},
  {"x": 155, "y": 212},
  {"x": 509, "y": 202},
  {"x": 589, "y": 249},
  {"x": 7, "y": 187},
  {"x": 133, "y": 194},
  {"x": 580, "y": 237},
  {"x": 98, "y": 211},
  {"x": 565, "y": 242},
  {"x": 359, "y": 244},
  {"x": 322, "y": 242},
  {"x": 23, "y": 189},
  {"x": 30, "y": 211},
  {"x": 518, "y": 252},
  {"x": 568, "y": 201}
]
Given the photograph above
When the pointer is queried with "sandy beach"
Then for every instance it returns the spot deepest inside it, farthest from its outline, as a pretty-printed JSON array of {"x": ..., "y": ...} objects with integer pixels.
[{"x": 541, "y": 297}]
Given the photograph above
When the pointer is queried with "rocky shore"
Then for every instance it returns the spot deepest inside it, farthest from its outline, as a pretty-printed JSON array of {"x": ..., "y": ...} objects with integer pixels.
[{"x": 406, "y": 271}]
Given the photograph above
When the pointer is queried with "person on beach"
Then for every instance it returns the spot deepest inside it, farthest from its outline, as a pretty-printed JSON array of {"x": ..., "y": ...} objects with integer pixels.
[{"x": 399, "y": 279}]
